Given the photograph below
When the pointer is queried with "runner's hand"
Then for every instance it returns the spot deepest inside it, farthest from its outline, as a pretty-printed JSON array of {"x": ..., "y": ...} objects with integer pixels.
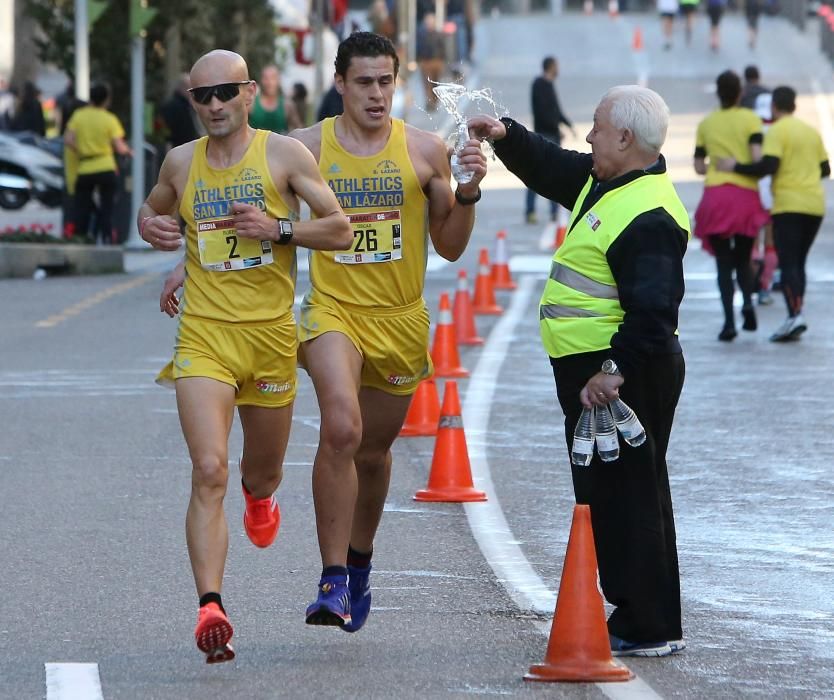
[
  {"x": 472, "y": 157},
  {"x": 251, "y": 222},
  {"x": 162, "y": 232},
  {"x": 486, "y": 128},
  {"x": 169, "y": 302}
]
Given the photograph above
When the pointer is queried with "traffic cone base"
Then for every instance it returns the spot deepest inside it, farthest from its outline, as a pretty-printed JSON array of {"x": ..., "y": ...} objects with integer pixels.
[
  {"x": 501, "y": 277},
  {"x": 450, "y": 478},
  {"x": 579, "y": 649},
  {"x": 424, "y": 411}
]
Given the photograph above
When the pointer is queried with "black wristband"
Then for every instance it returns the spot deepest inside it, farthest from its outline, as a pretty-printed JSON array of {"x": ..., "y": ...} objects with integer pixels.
[
  {"x": 467, "y": 202},
  {"x": 285, "y": 231}
]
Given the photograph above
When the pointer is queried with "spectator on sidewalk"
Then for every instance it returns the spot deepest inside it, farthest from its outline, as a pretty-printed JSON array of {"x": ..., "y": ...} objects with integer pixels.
[
  {"x": 271, "y": 111},
  {"x": 752, "y": 87},
  {"x": 752, "y": 10},
  {"x": 688, "y": 8},
  {"x": 28, "y": 113},
  {"x": 715, "y": 10},
  {"x": 730, "y": 215},
  {"x": 302, "y": 105},
  {"x": 793, "y": 153},
  {"x": 67, "y": 102},
  {"x": 96, "y": 135},
  {"x": 331, "y": 104},
  {"x": 179, "y": 116},
  {"x": 431, "y": 57},
  {"x": 6, "y": 104},
  {"x": 547, "y": 120}
]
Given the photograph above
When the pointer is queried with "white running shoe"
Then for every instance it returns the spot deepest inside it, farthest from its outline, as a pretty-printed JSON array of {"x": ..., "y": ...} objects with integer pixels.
[{"x": 791, "y": 329}]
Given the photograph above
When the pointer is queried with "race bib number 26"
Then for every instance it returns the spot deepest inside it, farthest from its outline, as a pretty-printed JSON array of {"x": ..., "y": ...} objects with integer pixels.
[
  {"x": 377, "y": 238},
  {"x": 221, "y": 249}
]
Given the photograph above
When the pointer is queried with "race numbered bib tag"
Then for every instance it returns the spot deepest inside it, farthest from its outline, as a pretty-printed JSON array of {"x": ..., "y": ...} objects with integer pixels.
[
  {"x": 221, "y": 249},
  {"x": 377, "y": 238}
]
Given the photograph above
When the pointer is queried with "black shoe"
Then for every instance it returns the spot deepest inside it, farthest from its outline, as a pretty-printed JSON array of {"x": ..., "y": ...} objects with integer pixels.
[
  {"x": 748, "y": 313},
  {"x": 727, "y": 334}
]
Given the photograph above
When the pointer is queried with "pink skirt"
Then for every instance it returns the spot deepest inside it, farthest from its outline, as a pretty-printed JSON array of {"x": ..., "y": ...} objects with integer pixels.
[{"x": 729, "y": 210}]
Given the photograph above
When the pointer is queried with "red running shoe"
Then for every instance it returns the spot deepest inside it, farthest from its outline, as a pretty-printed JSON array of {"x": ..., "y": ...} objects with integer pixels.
[
  {"x": 261, "y": 519},
  {"x": 212, "y": 633}
]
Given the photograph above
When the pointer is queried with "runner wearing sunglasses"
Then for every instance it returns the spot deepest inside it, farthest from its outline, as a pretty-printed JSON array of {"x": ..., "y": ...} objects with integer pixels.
[
  {"x": 364, "y": 325},
  {"x": 236, "y": 191}
]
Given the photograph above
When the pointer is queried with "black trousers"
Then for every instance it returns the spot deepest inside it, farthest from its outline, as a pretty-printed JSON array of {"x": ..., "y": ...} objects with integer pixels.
[
  {"x": 733, "y": 254},
  {"x": 793, "y": 235},
  {"x": 630, "y": 499},
  {"x": 106, "y": 183}
]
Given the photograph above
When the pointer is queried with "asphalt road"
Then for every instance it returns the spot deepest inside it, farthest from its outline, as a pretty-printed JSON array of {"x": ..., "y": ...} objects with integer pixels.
[{"x": 93, "y": 567}]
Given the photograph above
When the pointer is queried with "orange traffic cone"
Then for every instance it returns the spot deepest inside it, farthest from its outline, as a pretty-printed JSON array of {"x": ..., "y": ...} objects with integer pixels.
[
  {"x": 464, "y": 316},
  {"x": 484, "y": 301},
  {"x": 613, "y": 8},
  {"x": 444, "y": 351},
  {"x": 450, "y": 479},
  {"x": 579, "y": 648},
  {"x": 501, "y": 278},
  {"x": 637, "y": 40},
  {"x": 561, "y": 228},
  {"x": 588, "y": 7},
  {"x": 424, "y": 411}
]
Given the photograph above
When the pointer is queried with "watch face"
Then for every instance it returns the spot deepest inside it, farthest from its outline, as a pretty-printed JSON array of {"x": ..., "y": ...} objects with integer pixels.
[{"x": 286, "y": 227}]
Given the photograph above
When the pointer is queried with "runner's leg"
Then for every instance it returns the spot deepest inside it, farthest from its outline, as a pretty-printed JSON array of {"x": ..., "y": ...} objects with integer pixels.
[
  {"x": 266, "y": 432},
  {"x": 206, "y": 410}
]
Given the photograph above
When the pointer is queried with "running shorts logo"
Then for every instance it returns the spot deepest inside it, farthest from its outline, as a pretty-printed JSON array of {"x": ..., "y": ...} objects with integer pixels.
[
  {"x": 400, "y": 380},
  {"x": 273, "y": 387}
]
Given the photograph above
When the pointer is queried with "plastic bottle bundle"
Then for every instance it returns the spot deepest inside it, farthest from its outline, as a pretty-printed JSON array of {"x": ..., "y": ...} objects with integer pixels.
[
  {"x": 461, "y": 174},
  {"x": 608, "y": 446},
  {"x": 627, "y": 422}
]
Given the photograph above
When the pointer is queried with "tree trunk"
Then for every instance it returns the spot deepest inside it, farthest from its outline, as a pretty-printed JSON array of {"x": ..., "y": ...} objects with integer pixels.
[{"x": 25, "y": 64}]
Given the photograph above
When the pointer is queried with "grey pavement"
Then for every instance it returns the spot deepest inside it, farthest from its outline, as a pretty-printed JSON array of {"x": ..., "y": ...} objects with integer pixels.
[{"x": 94, "y": 567}]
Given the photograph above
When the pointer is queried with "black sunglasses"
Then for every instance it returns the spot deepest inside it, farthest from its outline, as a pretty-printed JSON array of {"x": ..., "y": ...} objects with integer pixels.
[{"x": 224, "y": 92}]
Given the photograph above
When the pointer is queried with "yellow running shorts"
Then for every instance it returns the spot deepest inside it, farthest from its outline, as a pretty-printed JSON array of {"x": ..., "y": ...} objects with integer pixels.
[
  {"x": 258, "y": 360},
  {"x": 393, "y": 342}
]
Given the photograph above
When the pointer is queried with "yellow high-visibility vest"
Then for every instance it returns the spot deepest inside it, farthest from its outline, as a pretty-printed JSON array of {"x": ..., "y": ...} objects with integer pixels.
[{"x": 580, "y": 307}]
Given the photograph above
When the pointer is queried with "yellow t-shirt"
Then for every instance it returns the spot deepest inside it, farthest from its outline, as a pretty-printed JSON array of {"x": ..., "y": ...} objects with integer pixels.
[
  {"x": 796, "y": 186},
  {"x": 94, "y": 129},
  {"x": 231, "y": 279},
  {"x": 726, "y": 134},
  {"x": 386, "y": 266}
]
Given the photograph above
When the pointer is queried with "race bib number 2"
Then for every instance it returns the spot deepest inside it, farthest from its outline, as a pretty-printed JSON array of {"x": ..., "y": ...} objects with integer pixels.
[
  {"x": 221, "y": 249},
  {"x": 377, "y": 238}
]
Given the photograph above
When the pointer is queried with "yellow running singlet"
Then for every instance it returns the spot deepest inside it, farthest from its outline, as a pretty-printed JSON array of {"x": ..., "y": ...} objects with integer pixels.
[
  {"x": 386, "y": 266},
  {"x": 228, "y": 278}
]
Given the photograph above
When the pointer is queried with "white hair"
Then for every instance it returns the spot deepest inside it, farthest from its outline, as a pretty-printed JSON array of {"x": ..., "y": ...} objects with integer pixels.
[{"x": 640, "y": 110}]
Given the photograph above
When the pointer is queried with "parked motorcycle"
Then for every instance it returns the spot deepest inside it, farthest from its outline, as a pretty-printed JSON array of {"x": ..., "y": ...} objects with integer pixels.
[
  {"x": 42, "y": 169},
  {"x": 15, "y": 191}
]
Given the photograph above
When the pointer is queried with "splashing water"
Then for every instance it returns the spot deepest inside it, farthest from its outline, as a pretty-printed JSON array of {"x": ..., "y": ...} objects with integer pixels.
[{"x": 452, "y": 97}]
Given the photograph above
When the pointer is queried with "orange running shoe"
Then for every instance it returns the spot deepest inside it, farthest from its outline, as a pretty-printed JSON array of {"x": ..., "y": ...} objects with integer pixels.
[
  {"x": 261, "y": 519},
  {"x": 212, "y": 633}
]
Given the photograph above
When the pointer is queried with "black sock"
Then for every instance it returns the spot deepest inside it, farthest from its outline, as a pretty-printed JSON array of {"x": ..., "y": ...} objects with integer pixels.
[
  {"x": 334, "y": 571},
  {"x": 360, "y": 560},
  {"x": 212, "y": 597}
]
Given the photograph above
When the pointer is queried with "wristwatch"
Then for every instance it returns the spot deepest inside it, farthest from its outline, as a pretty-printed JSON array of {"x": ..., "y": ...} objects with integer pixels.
[
  {"x": 285, "y": 231},
  {"x": 610, "y": 367},
  {"x": 466, "y": 201}
]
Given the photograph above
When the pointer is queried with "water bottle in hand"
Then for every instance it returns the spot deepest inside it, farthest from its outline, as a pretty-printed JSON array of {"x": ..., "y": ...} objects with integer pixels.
[
  {"x": 460, "y": 172},
  {"x": 583, "y": 439},
  {"x": 608, "y": 445},
  {"x": 627, "y": 423}
]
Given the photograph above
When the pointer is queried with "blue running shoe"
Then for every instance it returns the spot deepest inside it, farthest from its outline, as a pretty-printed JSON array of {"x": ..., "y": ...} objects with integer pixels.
[
  {"x": 360, "y": 597},
  {"x": 332, "y": 607},
  {"x": 621, "y": 647},
  {"x": 677, "y": 645}
]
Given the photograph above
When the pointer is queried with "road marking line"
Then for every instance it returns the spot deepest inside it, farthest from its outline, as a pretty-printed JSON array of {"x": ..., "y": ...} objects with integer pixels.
[
  {"x": 93, "y": 300},
  {"x": 73, "y": 681},
  {"x": 486, "y": 520}
]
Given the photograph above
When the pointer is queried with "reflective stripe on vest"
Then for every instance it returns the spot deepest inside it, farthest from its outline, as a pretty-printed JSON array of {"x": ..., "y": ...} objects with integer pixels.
[{"x": 580, "y": 308}]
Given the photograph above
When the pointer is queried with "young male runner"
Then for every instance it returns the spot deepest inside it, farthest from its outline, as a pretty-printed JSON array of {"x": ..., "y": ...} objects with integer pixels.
[
  {"x": 364, "y": 325},
  {"x": 236, "y": 191}
]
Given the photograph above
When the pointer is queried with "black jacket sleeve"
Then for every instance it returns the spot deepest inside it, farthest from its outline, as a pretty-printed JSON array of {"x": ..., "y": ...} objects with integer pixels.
[
  {"x": 761, "y": 168},
  {"x": 647, "y": 263},
  {"x": 544, "y": 167},
  {"x": 545, "y": 107}
]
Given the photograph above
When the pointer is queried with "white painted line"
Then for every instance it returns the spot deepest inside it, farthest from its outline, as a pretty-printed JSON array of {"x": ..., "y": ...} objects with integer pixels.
[
  {"x": 73, "y": 681},
  {"x": 489, "y": 526}
]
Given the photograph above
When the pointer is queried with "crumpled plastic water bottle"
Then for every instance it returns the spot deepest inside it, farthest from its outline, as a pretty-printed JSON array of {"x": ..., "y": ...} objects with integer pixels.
[
  {"x": 608, "y": 445},
  {"x": 627, "y": 422},
  {"x": 582, "y": 450},
  {"x": 459, "y": 171}
]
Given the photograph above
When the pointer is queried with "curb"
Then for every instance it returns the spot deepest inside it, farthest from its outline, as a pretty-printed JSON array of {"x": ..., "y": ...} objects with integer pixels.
[{"x": 22, "y": 259}]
